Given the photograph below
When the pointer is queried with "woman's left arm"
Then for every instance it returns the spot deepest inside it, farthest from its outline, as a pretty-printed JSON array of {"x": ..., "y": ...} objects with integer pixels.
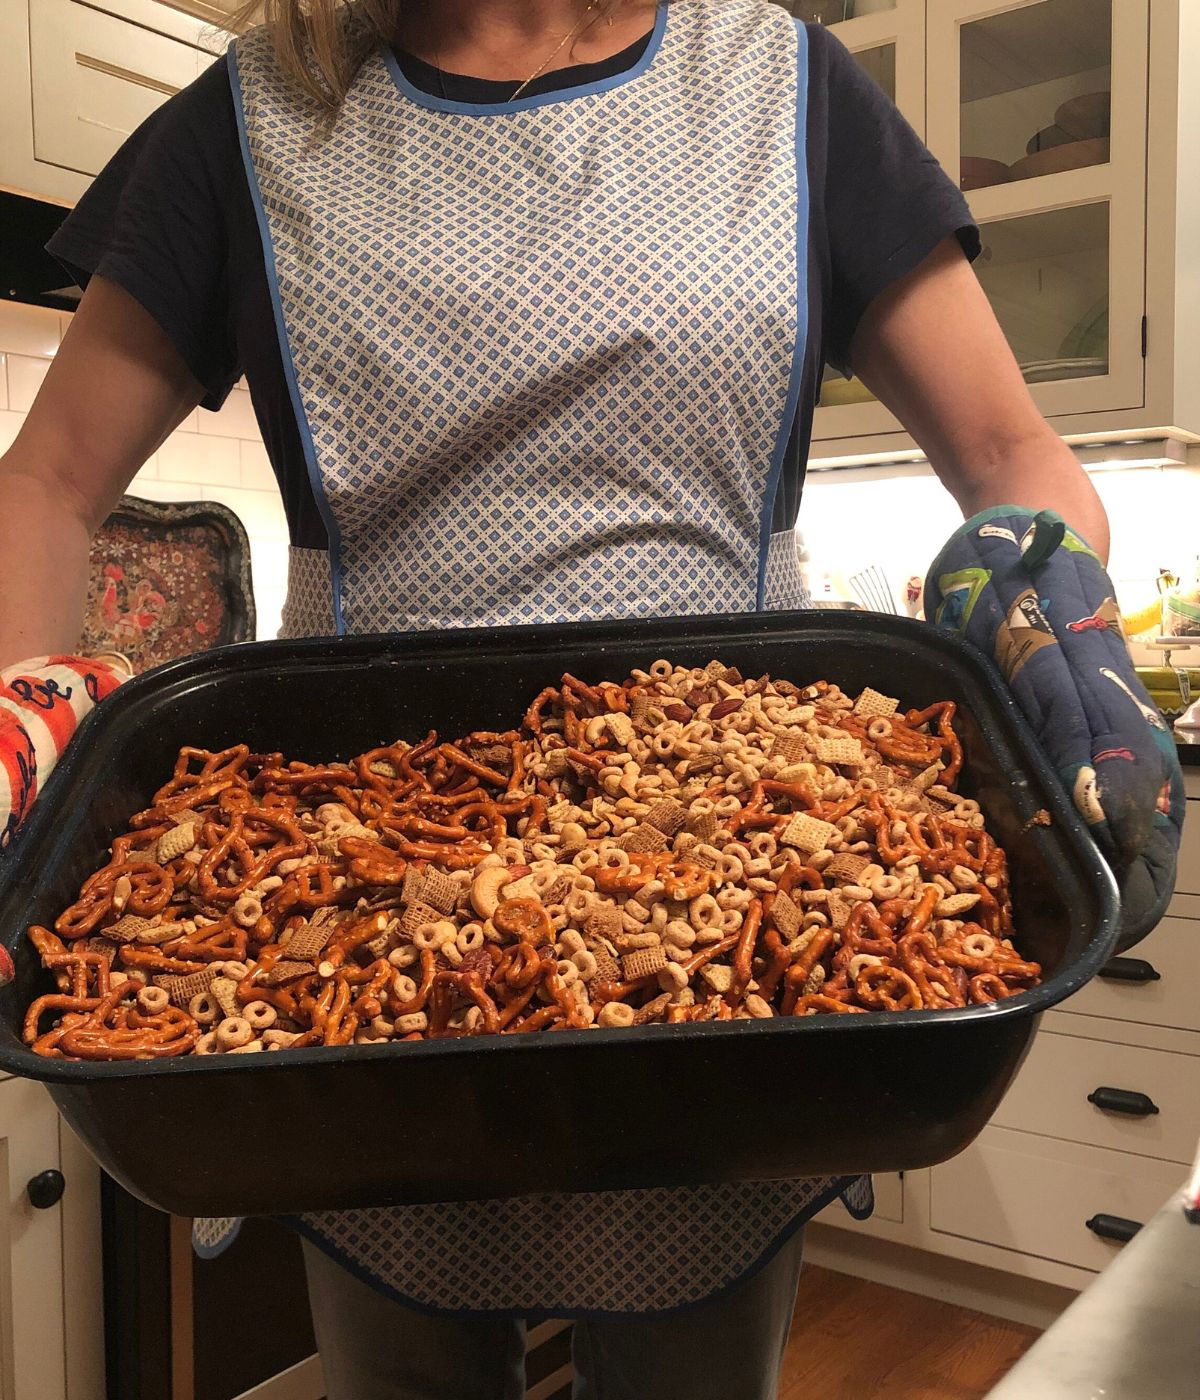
[
  {"x": 1028, "y": 589},
  {"x": 930, "y": 347}
]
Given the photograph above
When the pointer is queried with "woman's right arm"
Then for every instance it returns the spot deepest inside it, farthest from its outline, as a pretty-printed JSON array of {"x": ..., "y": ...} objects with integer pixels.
[{"x": 116, "y": 389}]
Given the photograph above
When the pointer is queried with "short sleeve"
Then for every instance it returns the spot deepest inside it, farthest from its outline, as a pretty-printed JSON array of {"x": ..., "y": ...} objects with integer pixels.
[
  {"x": 887, "y": 202},
  {"x": 156, "y": 221}
]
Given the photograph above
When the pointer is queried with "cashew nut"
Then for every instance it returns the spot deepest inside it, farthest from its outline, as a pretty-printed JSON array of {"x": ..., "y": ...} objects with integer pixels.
[{"x": 485, "y": 889}]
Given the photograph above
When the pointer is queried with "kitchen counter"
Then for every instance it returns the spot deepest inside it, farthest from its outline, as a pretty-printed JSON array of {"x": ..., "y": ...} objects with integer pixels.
[{"x": 1134, "y": 1334}]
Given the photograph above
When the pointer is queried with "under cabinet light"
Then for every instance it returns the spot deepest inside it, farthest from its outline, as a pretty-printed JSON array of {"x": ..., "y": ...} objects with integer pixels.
[{"x": 1094, "y": 456}]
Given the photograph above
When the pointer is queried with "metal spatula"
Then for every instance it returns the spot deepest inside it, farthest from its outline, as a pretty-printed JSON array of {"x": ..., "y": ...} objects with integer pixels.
[{"x": 873, "y": 590}]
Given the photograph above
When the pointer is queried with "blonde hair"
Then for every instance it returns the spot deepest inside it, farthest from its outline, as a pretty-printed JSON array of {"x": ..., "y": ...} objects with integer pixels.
[{"x": 321, "y": 44}]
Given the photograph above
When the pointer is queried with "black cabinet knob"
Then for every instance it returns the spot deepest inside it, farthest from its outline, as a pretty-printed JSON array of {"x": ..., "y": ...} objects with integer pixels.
[
  {"x": 1123, "y": 1101},
  {"x": 1114, "y": 1227},
  {"x": 1130, "y": 970},
  {"x": 46, "y": 1189}
]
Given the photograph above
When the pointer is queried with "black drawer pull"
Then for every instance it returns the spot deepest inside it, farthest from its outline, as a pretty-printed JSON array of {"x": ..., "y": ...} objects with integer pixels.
[
  {"x": 45, "y": 1189},
  {"x": 1123, "y": 1101},
  {"x": 1130, "y": 970},
  {"x": 1114, "y": 1227}
]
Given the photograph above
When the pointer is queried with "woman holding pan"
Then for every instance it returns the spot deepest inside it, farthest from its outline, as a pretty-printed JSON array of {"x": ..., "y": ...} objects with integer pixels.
[{"x": 533, "y": 298}]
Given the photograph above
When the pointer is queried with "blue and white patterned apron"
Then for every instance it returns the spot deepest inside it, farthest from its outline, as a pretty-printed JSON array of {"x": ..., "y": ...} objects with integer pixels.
[{"x": 545, "y": 358}]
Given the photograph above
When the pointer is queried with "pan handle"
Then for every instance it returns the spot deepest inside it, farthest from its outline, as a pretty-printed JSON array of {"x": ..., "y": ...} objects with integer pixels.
[
  {"x": 1130, "y": 970},
  {"x": 1113, "y": 1227}
]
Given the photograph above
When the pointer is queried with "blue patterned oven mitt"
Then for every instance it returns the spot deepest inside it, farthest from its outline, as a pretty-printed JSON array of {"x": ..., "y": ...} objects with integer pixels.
[{"x": 1032, "y": 595}]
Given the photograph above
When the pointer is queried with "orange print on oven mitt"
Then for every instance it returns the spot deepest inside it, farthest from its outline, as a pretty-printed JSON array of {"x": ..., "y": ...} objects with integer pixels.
[{"x": 42, "y": 704}]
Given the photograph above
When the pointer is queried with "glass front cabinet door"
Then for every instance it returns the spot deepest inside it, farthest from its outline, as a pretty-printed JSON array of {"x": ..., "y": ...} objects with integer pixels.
[
  {"x": 1038, "y": 109},
  {"x": 1040, "y": 112},
  {"x": 887, "y": 38}
]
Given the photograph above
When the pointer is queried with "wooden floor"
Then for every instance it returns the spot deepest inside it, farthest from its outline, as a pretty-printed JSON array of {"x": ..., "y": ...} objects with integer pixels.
[{"x": 853, "y": 1340}]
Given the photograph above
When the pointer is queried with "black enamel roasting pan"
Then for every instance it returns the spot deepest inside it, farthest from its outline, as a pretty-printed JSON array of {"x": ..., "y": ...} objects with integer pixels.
[{"x": 573, "y": 1111}]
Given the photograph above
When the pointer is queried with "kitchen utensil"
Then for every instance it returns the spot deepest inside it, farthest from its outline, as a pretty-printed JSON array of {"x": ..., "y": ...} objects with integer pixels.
[
  {"x": 1086, "y": 117},
  {"x": 873, "y": 589},
  {"x": 977, "y": 172},
  {"x": 1059, "y": 158},
  {"x": 914, "y": 595},
  {"x": 340, "y": 1127}
]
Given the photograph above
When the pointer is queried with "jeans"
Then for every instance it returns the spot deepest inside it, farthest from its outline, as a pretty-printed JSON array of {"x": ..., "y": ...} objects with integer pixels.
[{"x": 727, "y": 1348}]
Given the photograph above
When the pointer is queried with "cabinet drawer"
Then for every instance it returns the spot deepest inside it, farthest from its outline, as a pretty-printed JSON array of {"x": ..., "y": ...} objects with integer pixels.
[
  {"x": 1050, "y": 1096},
  {"x": 95, "y": 79},
  {"x": 1034, "y": 1195},
  {"x": 1172, "y": 951}
]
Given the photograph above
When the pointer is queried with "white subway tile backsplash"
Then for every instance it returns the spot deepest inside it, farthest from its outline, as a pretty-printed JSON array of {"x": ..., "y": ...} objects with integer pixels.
[
  {"x": 256, "y": 468},
  {"x": 234, "y": 419},
  {"x": 25, "y": 375},
  {"x": 268, "y": 610},
  {"x": 269, "y": 559},
  {"x": 191, "y": 423},
  {"x": 28, "y": 330},
  {"x": 195, "y": 458},
  {"x": 261, "y": 512},
  {"x": 10, "y": 426},
  {"x": 3, "y": 382},
  {"x": 152, "y": 490}
]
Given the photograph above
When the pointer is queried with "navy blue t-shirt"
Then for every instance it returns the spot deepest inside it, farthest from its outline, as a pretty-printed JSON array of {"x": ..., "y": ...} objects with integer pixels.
[{"x": 170, "y": 219}]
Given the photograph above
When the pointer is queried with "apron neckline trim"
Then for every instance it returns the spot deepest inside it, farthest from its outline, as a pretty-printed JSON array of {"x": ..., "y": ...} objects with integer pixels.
[{"x": 421, "y": 98}]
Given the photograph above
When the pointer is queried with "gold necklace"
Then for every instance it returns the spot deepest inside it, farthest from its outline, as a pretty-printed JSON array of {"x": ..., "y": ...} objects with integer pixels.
[{"x": 574, "y": 33}]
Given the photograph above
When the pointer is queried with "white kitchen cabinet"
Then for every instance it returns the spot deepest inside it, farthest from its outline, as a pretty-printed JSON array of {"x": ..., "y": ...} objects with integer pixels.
[
  {"x": 1157, "y": 981},
  {"x": 32, "y": 1362},
  {"x": 1123, "y": 1098},
  {"x": 1034, "y": 1196},
  {"x": 51, "y": 1304},
  {"x": 78, "y": 76},
  {"x": 1087, "y": 265},
  {"x": 890, "y": 44},
  {"x": 1188, "y": 882}
]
